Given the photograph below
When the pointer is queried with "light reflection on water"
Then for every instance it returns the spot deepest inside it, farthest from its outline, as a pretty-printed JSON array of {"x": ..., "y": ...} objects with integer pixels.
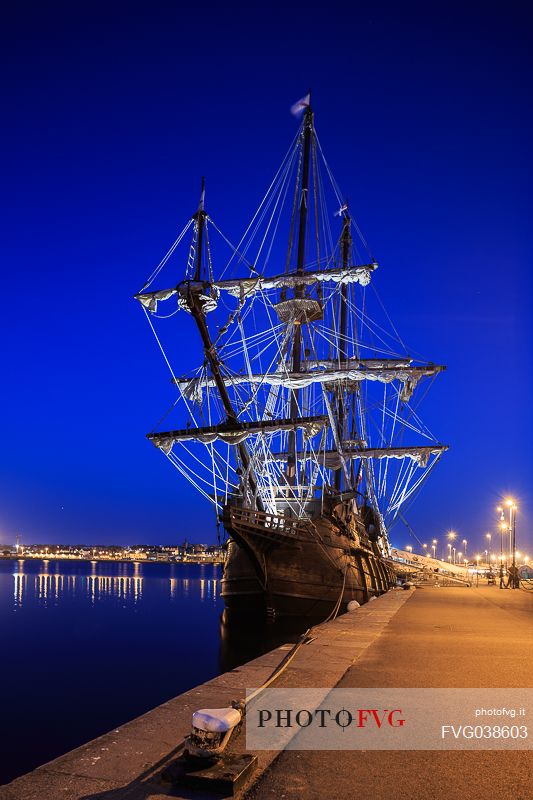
[
  {"x": 98, "y": 643},
  {"x": 48, "y": 586}
]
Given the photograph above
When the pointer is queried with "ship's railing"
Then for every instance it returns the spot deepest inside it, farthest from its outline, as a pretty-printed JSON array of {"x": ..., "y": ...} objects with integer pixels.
[
  {"x": 292, "y": 492},
  {"x": 262, "y": 519}
]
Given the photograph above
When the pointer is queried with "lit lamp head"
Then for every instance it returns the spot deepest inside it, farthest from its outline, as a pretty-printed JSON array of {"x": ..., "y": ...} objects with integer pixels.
[{"x": 510, "y": 503}]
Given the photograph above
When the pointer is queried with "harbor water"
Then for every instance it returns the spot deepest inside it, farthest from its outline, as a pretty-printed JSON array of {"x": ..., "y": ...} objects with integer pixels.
[{"x": 87, "y": 646}]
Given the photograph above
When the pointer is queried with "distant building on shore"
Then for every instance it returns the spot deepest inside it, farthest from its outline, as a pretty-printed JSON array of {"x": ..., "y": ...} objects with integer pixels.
[{"x": 191, "y": 553}]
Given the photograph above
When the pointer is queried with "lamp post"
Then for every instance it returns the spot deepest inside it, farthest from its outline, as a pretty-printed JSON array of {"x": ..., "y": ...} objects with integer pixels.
[
  {"x": 510, "y": 505},
  {"x": 515, "y": 583},
  {"x": 434, "y": 547},
  {"x": 451, "y": 538},
  {"x": 503, "y": 528},
  {"x": 488, "y": 537},
  {"x": 465, "y": 542}
]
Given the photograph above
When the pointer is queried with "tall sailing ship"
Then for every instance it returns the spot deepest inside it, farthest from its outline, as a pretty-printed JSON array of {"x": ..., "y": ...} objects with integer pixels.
[{"x": 298, "y": 425}]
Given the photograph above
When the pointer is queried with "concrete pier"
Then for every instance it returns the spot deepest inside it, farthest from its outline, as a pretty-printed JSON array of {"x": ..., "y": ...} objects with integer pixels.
[
  {"x": 448, "y": 637},
  {"x": 442, "y": 638}
]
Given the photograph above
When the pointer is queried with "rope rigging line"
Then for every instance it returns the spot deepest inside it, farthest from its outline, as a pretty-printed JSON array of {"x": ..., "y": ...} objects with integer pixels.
[
  {"x": 245, "y": 234},
  {"x": 399, "y": 338},
  {"x": 167, "y": 255},
  {"x": 159, "y": 343},
  {"x": 339, "y": 197}
]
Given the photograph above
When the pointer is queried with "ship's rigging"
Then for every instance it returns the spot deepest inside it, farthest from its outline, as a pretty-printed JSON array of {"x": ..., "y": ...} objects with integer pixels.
[{"x": 301, "y": 393}]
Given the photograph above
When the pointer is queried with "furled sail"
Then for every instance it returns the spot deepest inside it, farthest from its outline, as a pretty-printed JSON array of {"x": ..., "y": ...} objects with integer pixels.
[
  {"x": 246, "y": 287},
  {"x": 235, "y": 434},
  {"x": 332, "y": 458},
  {"x": 192, "y": 388}
]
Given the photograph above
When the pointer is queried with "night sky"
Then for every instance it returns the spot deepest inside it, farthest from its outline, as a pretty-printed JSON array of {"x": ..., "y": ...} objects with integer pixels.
[{"x": 112, "y": 112}]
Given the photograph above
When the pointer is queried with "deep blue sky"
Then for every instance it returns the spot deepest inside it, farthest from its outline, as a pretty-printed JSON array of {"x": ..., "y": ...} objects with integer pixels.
[{"x": 110, "y": 115}]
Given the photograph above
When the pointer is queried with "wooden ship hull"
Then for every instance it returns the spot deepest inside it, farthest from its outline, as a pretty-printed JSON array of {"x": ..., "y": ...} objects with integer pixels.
[{"x": 279, "y": 568}]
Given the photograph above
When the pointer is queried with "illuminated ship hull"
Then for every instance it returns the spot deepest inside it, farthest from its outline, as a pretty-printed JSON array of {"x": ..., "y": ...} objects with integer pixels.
[{"x": 278, "y": 568}]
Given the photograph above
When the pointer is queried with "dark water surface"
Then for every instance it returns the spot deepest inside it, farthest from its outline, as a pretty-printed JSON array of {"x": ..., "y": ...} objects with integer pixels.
[{"x": 87, "y": 646}]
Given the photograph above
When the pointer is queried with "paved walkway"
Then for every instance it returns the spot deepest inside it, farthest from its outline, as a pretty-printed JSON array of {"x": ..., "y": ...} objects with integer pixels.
[{"x": 441, "y": 638}]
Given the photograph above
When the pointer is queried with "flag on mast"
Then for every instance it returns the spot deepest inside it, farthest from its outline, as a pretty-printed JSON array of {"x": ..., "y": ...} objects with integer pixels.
[
  {"x": 301, "y": 105},
  {"x": 341, "y": 210}
]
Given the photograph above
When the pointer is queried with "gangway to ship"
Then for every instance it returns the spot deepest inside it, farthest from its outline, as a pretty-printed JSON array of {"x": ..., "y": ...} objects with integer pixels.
[{"x": 426, "y": 571}]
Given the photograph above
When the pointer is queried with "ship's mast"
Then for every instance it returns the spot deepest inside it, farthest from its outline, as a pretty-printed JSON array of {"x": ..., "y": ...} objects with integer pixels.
[
  {"x": 200, "y": 217},
  {"x": 346, "y": 241},
  {"x": 299, "y": 290},
  {"x": 334, "y": 379},
  {"x": 196, "y": 308}
]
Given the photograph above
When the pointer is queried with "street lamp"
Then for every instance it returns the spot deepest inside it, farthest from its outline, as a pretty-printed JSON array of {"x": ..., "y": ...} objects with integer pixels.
[
  {"x": 409, "y": 548},
  {"x": 509, "y": 504},
  {"x": 434, "y": 547},
  {"x": 515, "y": 583},
  {"x": 451, "y": 538},
  {"x": 488, "y": 537},
  {"x": 464, "y": 545},
  {"x": 502, "y": 529}
]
